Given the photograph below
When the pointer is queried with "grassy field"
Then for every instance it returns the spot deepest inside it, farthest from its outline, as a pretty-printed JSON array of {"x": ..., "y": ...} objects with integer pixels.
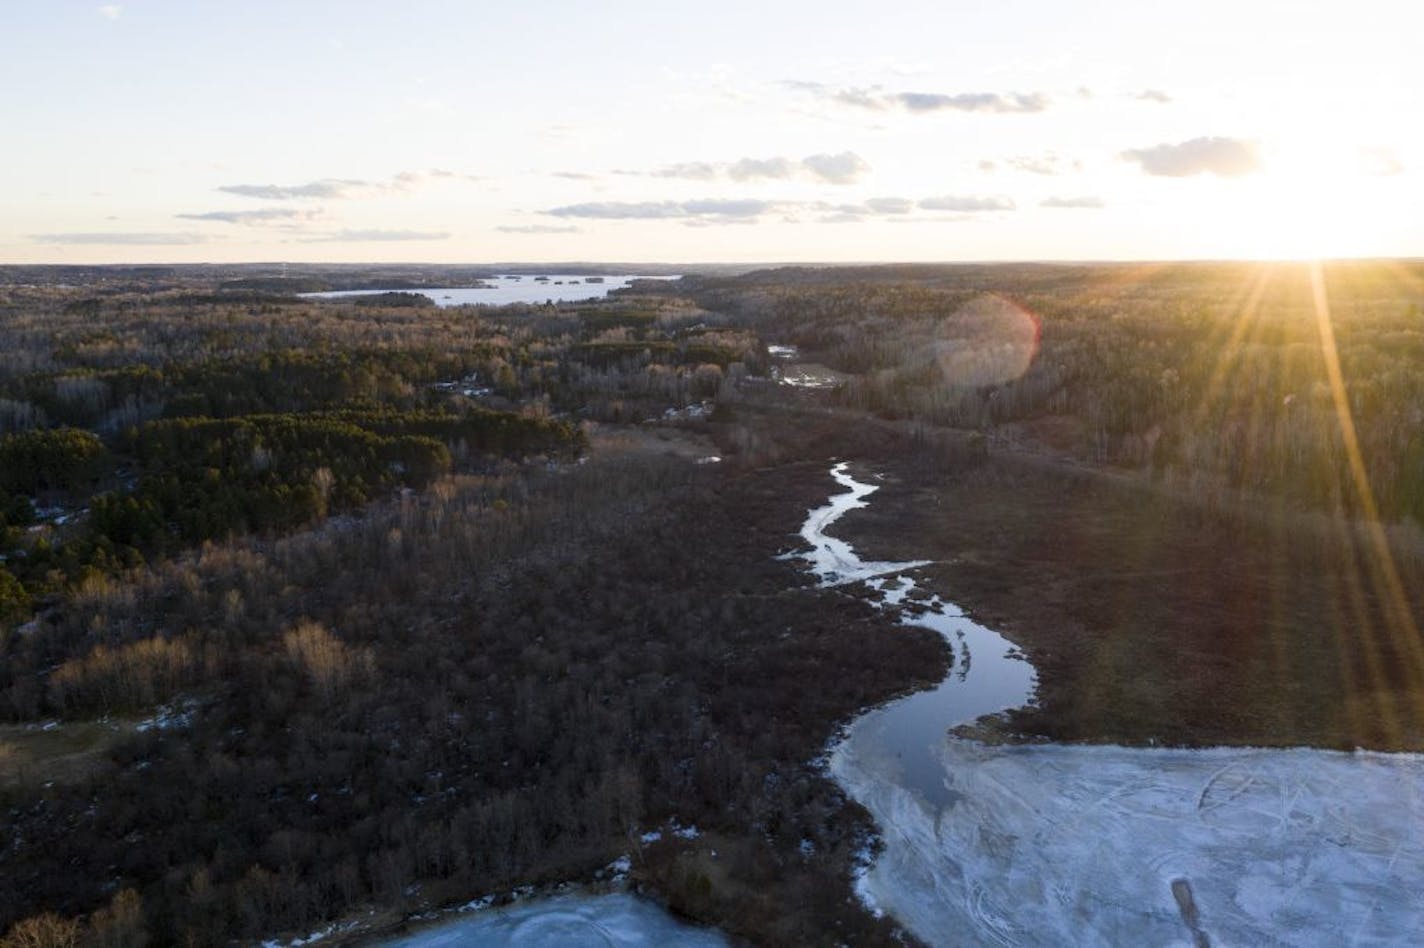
[{"x": 36, "y": 754}]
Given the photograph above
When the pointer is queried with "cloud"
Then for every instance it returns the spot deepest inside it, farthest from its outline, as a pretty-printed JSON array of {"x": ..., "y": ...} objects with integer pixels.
[
  {"x": 844, "y": 168},
  {"x": 537, "y": 229},
  {"x": 750, "y": 168},
  {"x": 1044, "y": 165},
  {"x": 886, "y": 208},
  {"x": 575, "y": 175},
  {"x": 870, "y": 98},
  {"x": 702, "y": 210},
  {"x": 876, "y": 99},
  {"x": 1225, "y": 157},
  {"x": 337, "y": 189},
  {"x": 689, "y": 170},
  {"x": 970, "y": 204},
  {"x": 267, "y": 215},
  {"x": 705, "y": 213},
  {"x": 111, "y": 11},
  {"x": 130, "y": 239},
  {"x": 327, "y": 188},
  {"x": 860, "y": 97},
  {"x": 1154, "y": 95},
  {"x": 406, "y": 180},
  {"x": 1083, "y": 201},
  {"x": 973, "y": 102},
  {"x": 372, "y": 236},
  {"x": 440, "y": 174},
  {"x": 890, "y": 205},
  {"x": 1048, "y": 163}
]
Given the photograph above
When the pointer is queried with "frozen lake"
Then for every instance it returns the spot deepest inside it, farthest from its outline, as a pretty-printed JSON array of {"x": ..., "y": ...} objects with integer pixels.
[
  {"x": 1101, "y": 845},
  {"x": 502, "y": 290},
  {"x": 571, "y": 921}
]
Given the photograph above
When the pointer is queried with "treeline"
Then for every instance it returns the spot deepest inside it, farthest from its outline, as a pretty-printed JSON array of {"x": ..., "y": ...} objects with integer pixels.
[
  {"x": 204, "y": 478},
  {"x": 62, "y": 459},
  {"x": 207, "y": 478},
  {"x": 149, "y": 358},
  {"x": 53, "y": 332},
  {"x": 284, "y": 380},
  {"x": 189, "y": 480}
]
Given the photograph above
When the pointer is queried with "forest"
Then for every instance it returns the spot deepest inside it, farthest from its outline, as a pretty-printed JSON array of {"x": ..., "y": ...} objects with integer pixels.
[
  {"x": 312, "y": 610},
  {"x": 1214, "y": 375}
]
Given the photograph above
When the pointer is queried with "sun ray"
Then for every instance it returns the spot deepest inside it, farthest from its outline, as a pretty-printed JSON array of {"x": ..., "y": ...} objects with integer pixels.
[
  {"x": 1230, "y": 350},
  {"x": 1384, "y": 572}
]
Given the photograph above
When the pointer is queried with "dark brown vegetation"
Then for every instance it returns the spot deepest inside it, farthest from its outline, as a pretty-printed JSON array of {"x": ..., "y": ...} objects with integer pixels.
[
  {"x": 1152, "y": 618},
  {"x": 498, "y": 684}
]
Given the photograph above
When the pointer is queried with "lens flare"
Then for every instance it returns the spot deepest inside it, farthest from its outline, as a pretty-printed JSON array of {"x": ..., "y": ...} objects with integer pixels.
[{"x": 987, "y": 341}]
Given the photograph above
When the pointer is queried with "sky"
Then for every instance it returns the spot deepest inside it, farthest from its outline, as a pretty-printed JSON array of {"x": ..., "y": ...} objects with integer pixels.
[{"x": 314, "y": 130}]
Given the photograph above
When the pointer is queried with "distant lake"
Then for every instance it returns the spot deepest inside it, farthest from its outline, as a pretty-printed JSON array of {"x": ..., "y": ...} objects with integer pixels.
[{"x": 513, "y": 289}]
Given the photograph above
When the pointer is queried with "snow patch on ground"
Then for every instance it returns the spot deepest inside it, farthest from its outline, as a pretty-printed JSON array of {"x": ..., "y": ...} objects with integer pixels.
[
  {"x": 674, "y": 828},
  {"x": 168, "y": 716},
  {"x": 476, "y": 905},
  {"x": 693, "y": 412},
  {"x": 335, "y": 928},
  {"x": 808, "y": 375}
]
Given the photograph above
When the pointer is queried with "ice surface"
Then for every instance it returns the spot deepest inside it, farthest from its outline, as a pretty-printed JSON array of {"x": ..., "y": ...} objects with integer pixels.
[
  {"x": 833, "y": 561},
  {"x": 604, "y": 921},
  {"x": 1054, "y": 845}
]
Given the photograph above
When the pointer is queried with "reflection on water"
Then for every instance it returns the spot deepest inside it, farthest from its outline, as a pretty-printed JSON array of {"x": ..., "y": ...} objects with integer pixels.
[{"x": 904, "y": 738}]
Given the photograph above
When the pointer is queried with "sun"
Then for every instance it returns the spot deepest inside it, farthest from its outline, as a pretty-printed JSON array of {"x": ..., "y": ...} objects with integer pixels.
[{"x": 1313, "y": 204}]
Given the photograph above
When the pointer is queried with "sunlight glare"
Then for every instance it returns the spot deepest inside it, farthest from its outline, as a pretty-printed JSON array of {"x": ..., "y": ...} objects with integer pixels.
[{"x": 1314, "y": 202}]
